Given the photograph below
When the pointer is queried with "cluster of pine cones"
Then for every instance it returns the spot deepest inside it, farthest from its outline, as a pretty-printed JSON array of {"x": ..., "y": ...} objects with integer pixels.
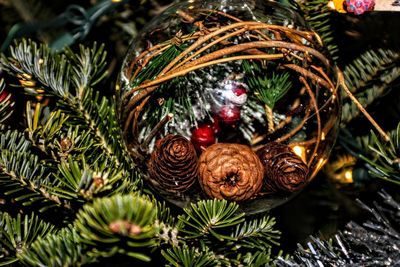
[{"x": 225, "y": 171}]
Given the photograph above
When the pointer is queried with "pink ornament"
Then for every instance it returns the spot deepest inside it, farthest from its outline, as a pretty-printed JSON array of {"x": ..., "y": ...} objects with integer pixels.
[{"x": 358, "y": 7}]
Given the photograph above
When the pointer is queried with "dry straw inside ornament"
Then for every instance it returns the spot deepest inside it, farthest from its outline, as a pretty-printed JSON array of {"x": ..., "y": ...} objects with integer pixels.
[{"x": 211, "y": 45}]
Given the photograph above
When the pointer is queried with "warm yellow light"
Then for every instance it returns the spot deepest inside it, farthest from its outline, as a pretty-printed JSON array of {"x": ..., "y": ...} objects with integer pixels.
[
  {"x": 331, "y": 5},
  {"x": 27, "y": 83},
  {"x": 320, "y": 163},
  {"x": 348, "y": 175},
  {"x": 300, "y": 151},
  {"x": 322, "y": 136},
  {"x": 27, "y": 76},
  {"x": 337, "y": 5}
]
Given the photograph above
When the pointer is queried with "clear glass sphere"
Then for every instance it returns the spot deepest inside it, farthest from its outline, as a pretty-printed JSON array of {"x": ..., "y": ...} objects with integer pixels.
[{"x": 229, "y": 99}]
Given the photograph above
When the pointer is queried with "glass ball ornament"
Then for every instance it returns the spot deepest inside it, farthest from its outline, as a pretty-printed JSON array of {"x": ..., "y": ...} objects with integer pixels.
[{"x": 229, "y": 99}]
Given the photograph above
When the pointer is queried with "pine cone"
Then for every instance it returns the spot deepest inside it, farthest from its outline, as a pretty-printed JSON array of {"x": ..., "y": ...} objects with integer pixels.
[
  {"x": 284, "y": 170},
  {"x": 230, "y": 171},
  {"x": 173, "y": 166}
]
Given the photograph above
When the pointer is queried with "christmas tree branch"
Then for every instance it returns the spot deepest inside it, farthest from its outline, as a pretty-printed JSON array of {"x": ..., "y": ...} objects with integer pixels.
[
  {"x": 370, "y": 76},
  {"x": 23, "y": 176},
  {"x": 118, "y": 224},
  {"x": 215, "y": 226},
  {"x": 384, "y": 159},
  {"x": 319, "y": 16},
  {"x": 65, "y": 75},
  {"x": 185, "y": 256},
  {"x": 18, "y": 234},
  {"x": 56, "y": 249}
]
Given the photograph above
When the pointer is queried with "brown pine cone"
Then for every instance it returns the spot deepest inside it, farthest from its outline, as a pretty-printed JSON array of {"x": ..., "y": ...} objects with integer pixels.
[
  {"x": 230, "y": 171},
  {"x": 284, "y": 170},
  {"x": 173, "y": 166}
]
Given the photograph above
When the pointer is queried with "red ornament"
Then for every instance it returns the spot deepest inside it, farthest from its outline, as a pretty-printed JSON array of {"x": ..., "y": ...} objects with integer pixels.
[
  {"x": 229, "y": 115},
  {"x": 203, "y": 136}
]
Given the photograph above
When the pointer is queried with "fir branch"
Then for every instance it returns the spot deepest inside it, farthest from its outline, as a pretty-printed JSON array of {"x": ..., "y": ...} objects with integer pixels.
[
  {"x": 23, "y": 177},
  {"x": 118, "y": 224},
  {"x": 319, "y": 17},
  {"x": 215, "y": 225},
  {"x": 44, "y": 131},
  {"x": 385, "y": 160},
  {"x": 36, "y": 64},
  {"x": 6, "y": 103},
  {"x": 268, "y": 90},
  {"x": 69, "y": 78},
  {"x": 190, "y": 257},
  {"x": 57, "y": 249},
  {"x": 164, "y": 213},
  {"x": 373, "y": 65},
  {"x": 14, "y": 141},
  {"x": 206, "y": 217},
  {"x": 88, "y": 67},
  {"x": 80, "y": 182},
  {"x": 371, "y": 77},
  {"x": 257, "y": 259},
  {"x": 99, "y": 116},
  {"x": 256, "y": 234},
  {"x": 17, "y": 234}
]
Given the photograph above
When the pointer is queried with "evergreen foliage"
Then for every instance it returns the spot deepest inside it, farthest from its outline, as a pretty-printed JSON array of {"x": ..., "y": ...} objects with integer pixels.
[
  {"x": 119, "y": 224},
  {"x": 216, "y": 226},
  {"x": 319, "y": 16},
  {"x": 23, "y": 176},
  {"x": 190, "y": 257},
  {"x": 384, "y": 162},
  {"x": 268, "y": 90},
  {"x": 57, "y": 249},
  {"x": 17, "y": 234},
  {"x": 370, "y": 76}
]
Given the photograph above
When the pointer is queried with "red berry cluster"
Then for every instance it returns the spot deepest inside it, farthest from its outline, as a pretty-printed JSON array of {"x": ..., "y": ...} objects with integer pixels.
[{"x": 228, "y": 115}]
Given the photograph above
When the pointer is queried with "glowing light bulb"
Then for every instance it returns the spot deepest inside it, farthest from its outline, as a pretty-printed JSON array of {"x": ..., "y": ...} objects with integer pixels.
[
  {"x": 300, "y": 151},
  {"x": 348, "y": 176}
]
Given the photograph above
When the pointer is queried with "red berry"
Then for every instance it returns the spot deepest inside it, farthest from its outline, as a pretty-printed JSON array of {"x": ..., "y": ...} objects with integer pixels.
[
  {"x": 240, "y": 90},
  {"x": 203, "y": 136},
  {"x": 229, "y": 115}
]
